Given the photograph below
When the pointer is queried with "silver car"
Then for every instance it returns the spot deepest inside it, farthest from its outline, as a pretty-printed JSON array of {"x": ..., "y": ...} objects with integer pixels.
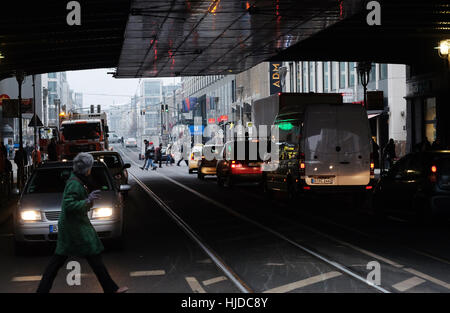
[{"x": 37, "y": 213}]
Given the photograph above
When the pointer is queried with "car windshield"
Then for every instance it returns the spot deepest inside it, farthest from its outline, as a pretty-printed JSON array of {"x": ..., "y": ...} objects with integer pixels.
[
  {"x": 54, "y": 180},
  {"x": 81, "y": 131},
  {"x": 111, "y": 160}
]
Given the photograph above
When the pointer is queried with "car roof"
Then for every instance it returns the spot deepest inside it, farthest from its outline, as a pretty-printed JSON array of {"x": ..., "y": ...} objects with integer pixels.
[{"x": 60, "y": 164}]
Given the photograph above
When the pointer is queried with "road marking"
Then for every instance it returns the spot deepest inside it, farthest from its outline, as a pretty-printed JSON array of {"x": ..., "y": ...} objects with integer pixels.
[
  {"x": 214, "y": 280},
  {"x": 279, "y": 235},
  {"x": 26, "y": 278},
  {"x": 428, "y": 277},
  {"x": 409, "y": 283},
  {"x": 148, "y": 273},
  {"x": 363, "y": 251},
  {"x": 304, "y": 282},
  {"x": 195, "y": 285},
  {"x": 275, "y": 264},
  {"x": 241, "y": 285}
]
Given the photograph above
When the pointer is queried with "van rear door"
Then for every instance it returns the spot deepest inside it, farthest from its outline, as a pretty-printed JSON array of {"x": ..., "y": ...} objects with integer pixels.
[
  {"x": 353, "y": 143},
  {"x": 320, "y": 142}
]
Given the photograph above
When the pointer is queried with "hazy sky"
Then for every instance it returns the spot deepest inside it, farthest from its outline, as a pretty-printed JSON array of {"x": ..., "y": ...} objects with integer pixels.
[{"x": 98, "y": 87}]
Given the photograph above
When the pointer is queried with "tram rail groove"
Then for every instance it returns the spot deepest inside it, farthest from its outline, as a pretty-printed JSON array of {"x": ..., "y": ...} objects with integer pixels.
[{"x": 220, "y": 262}]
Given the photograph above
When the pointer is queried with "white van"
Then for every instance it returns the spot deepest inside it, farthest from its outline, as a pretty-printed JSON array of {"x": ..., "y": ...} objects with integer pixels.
[
  {"x": 336, "y": 145},
  {"x": 323, "y": 147}
]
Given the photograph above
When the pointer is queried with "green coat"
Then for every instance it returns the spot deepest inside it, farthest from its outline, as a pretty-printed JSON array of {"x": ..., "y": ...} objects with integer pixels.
[{"x": 76, "y": 235}]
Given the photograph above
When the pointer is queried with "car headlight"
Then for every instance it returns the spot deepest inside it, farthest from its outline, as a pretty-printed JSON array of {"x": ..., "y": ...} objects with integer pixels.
[
  {"x": 30, "y": 215},
  {"x": 102, "y": 213}
]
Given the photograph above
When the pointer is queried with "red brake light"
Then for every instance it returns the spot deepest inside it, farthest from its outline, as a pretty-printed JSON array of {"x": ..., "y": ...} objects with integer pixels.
[
  {"x": 368, "y": 187},
  {"x": 306, "y": 188},
  {"x": 434, "y": 169}
]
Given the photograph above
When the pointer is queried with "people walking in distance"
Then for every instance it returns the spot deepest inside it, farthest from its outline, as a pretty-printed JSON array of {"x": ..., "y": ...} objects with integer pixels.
[
  {"x": 36, "y": 156},
  {"x": 149, "y": 157},
  {"x": 146, "y": 144},
  {"x": 182, "y": 156},
  {"x": 21, "y": 160},
  {"x": 389, "y": 154},
  {"x": 76, "y": 235},
  {"x": 169, "y": 159},
  {"x": 158, "y": 153}
]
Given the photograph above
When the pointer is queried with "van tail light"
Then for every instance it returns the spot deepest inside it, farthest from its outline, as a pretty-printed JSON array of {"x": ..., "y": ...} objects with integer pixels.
[
  {"x": 372, "y": 166},
  {"x": 192, "y": 156},
  {"x": 369, "y": 187}
]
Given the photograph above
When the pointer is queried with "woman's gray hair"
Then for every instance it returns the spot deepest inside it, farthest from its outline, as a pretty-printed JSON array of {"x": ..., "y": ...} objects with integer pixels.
[{"x": 82, "y": 163}]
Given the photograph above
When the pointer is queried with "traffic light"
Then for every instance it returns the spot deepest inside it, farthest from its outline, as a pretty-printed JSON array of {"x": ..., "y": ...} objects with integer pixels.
[{"x": 167, "y": 108}]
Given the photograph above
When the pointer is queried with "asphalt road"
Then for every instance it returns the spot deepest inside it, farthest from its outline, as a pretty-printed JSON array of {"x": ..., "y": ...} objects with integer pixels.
[{"x": 318, "y": 245}]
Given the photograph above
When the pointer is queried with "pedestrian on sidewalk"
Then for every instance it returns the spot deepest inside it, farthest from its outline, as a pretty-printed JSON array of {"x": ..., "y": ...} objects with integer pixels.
[
  {"x": 77, "y": 236},
  {"x": 36, "y": 156}
]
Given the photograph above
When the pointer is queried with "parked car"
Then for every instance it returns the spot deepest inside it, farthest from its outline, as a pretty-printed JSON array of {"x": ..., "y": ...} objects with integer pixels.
[
  {"x": 115, "y": 164},
  {"x": 240, "y": 162},
  {"x": 208, "y": 163},
  {"x": 39, "y": 207},
  {"x": 113, "y": 138},
  {"x": 322, "y": 148},
  {"x": 196, "y": 155},
  {"x": 417, "y": 185}
]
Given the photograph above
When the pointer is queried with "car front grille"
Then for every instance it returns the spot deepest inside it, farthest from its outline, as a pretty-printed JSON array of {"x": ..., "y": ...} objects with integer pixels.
[
  {"x": 52, "y": 215},
  {"x": 82, "y": 148}
]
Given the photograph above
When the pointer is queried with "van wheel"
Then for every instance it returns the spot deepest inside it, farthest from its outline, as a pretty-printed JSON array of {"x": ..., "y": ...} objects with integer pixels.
[{"x": 190, "y": 171}]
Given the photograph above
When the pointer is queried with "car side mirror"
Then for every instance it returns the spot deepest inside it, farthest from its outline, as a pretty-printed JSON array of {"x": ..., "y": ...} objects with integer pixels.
[
  {"x": 126, "y": 165},
  {"x": 123, "y": 188}
]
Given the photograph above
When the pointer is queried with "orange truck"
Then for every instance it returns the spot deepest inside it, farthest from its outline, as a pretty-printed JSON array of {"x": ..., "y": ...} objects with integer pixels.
[{"x": 83, "y": 133}]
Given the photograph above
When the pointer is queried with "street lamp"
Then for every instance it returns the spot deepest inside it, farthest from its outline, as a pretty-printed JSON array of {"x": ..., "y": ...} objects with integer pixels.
[
  {"x": 364, "y": 69},
  {"x": 444, "y": 47}
]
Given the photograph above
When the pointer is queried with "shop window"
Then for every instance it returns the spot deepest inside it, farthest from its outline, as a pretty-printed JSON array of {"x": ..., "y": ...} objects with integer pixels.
[
  {"x": 326, "y": 74},
  {"x": 383, "y": 71},
  {"x": 342, "y": 75},
  {"x": 430, "y": 119}
]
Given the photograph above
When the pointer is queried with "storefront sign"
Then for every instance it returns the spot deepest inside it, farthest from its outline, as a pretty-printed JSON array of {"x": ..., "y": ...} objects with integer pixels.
[
  {"x": 11, "y": 107},
  {"x": 275, "y": 77}
]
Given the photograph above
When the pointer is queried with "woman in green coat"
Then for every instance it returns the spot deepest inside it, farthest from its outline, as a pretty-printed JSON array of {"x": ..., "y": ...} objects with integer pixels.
[{"x": 76, "y": 235}]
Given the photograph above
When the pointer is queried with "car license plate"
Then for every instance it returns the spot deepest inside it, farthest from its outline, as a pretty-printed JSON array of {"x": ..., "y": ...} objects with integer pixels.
[
  {"x": 253, "y": 164},
  {"x": 322, "y": 180},
  {"x": 53, "y": 229}
]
